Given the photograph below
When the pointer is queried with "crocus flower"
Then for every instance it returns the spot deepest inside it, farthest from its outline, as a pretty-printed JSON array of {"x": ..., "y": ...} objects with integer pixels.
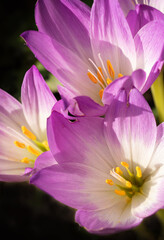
[
  {"x": 111, "y": 170},
  {"x": 88, "y": 49},
  {"x": 23, "y": 136}
]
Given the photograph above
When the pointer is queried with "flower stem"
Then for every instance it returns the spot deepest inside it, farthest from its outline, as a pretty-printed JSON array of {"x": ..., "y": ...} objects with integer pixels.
[{"x": 157, "y": 90}]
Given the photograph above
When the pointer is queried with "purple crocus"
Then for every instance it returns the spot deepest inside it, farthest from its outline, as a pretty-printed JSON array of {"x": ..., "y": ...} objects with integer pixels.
[
  {"x": 23, "y": 135},
  {"x": 111, "y": 170},
  {"x": 88, "y": 49}
]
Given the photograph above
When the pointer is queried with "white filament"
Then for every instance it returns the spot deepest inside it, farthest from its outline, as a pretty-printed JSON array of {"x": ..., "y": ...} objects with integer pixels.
[
  {"x": 117, "y": 176},
  {"x": 102, "y": 63},
  {"x": 98, "y": 71},
  {"x": 96, "y": 78}
]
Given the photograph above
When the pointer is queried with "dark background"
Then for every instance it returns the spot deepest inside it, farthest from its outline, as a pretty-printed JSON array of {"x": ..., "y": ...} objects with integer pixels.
[{"x": 25, "y": 211}]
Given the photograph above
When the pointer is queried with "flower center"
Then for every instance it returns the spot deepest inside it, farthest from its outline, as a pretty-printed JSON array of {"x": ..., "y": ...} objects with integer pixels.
[
  {"x": 129, "y": 184},
  {"x": 35, "y": 151},
  {"x": 104, "y": 74}
]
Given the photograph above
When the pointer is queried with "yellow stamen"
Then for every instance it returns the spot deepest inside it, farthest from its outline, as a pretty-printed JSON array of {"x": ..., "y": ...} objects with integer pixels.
[
  {"x": 28, "y": 134},
  {"x": 100, "y": 75},
  {"x": 118, "y": 171},
  {"x": 101, "y": 93},
  {"x": 128, "y": 184},
  {"x": 110, "y": 69},
  {"x": 19, "y": 144},
  {"x": 33, "y": 151},
  {"x": 139, "y": 172},
  {"x": 120, "y": 75},
  {"x": 120, "y": 192},
  {"x": 109, "y": 81},
  {"x": 25, "y": 160},
  {"x": 109, "y": 181},
  {"x": 91, "y": 77},
  {"x": 125, "y": 164}
]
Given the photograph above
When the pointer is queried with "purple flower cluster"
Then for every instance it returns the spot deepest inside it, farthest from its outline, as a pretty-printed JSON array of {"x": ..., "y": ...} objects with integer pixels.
[{"x": 98, "y": 149}]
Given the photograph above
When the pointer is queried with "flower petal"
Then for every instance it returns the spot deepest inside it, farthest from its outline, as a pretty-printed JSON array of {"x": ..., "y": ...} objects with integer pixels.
[
  {"x": 127, "y": 5},
  {"x": 154, "y": 73},
  {"x": 90, "y": 108},
  {"x": 37, "y": 102},
  {"x": 69, "y": 103},
  {"x": 150, "y": 49},
  {"x": 11, "y": 112},
  {"x": 120, "y": 62},
  {"x": 116, "y": 217},
  {"x": 131, "y": 129},
  {"x": 142, "y": 15},
  {"x": 73, "y": 144},
  {"x": 155, "y": 165},
  {"x": 80, "y": 106},
  {"x": 150, "y": 200},
  {"x": 158, "y": 4},
  {"x": 12, "y": 171},
  {"x": 74, "y": 184},
  {"x": 84, "y": 188},
  {"x": 137, "y": 80},
  {"x": 46, "y": 159},
  {"x": 9, "y": 151},
  {"x": 62, "y": 63},
  {"x": 108, "y": 24},
  {"x": 11, "y": 120},
  {"x": 60, "y": 20}
]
